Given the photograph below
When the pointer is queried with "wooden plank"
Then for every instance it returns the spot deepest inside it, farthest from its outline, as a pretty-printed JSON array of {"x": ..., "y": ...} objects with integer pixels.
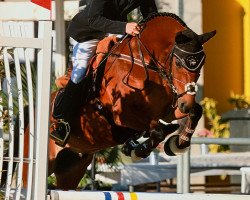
[{"x": 23, "y": 43}]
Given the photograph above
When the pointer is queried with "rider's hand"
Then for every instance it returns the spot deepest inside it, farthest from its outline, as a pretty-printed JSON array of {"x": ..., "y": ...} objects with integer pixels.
[{"x": 132, "y": 28}]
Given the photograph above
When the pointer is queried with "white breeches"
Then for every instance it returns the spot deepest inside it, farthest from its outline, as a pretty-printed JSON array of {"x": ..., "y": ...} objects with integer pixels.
[{"x": 82, "y": 52}]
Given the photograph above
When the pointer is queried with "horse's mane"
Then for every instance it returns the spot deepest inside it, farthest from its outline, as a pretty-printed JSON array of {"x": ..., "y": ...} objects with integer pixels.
[{"x": 164, "y": 14}]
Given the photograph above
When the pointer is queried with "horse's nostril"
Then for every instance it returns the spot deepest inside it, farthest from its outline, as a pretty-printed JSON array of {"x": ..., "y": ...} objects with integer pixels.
[
  {"x": 181, "y": 104},
  {"x": 184, "y": 108}
]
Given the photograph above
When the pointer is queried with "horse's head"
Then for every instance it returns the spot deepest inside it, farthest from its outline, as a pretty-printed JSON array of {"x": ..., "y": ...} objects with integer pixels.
[{"x": 188, "y": 58}]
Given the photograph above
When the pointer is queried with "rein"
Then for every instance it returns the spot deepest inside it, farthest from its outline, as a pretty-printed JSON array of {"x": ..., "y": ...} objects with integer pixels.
[
  {"x": 190, "y": 88},
  {"x": 159, "y": 68}
]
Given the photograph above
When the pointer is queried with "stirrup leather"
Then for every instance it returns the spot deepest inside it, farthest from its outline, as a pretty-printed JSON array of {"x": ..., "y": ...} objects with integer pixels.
[{"x": 61, "y": 141}]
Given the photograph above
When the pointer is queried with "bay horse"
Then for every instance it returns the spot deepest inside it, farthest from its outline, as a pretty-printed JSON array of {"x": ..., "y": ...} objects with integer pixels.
[{"x": 146, "y": 82}]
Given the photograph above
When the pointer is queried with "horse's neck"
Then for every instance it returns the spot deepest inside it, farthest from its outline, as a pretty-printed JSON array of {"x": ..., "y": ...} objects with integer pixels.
[{"x": 159, "y": 38}]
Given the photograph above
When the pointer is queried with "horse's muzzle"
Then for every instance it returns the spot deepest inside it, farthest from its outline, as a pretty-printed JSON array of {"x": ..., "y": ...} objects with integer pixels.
[
  {"x": 186, "y": 101},
  {"x": 185, "y": 105}
]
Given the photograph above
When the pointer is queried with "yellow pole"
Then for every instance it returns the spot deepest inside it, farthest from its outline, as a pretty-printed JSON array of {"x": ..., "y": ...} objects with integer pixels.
[{"x": 246, "y": 6}]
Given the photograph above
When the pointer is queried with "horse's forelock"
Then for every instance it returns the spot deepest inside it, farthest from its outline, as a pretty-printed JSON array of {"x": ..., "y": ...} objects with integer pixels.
[{"x": 164, "y": 14}]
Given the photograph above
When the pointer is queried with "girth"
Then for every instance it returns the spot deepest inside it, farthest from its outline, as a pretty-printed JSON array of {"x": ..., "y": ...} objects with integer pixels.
[{"x": 119, "y": 133}]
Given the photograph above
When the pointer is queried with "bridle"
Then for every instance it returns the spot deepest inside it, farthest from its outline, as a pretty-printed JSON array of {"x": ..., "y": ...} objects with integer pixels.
[{"x": 192, "y": 61}]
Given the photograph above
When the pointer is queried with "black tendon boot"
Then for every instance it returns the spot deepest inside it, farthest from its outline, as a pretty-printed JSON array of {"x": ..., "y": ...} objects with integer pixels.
[{"x": 66, "y": 107}]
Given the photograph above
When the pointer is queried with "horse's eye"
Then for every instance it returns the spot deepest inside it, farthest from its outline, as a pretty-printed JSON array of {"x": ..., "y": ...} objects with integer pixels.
[{"x": 178, "y": 63}]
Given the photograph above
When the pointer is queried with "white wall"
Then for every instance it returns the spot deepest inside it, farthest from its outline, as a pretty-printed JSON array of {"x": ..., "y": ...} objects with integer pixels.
[{"x": 192, "y": 11}]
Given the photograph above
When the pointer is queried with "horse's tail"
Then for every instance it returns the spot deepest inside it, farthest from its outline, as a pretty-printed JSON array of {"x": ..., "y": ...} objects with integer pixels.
[{"x": 16, "y": 146}]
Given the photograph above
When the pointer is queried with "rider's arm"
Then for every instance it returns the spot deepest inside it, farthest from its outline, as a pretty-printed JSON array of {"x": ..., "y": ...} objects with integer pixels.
[{"x": 97, "y": 21}]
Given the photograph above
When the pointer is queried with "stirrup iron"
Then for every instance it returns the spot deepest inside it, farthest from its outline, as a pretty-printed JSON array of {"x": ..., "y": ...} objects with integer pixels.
[{"x": 58, "y": 125}]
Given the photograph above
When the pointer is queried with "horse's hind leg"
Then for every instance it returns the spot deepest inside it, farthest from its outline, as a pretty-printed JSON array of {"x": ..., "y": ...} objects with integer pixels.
[{"x": 70, "y": 168}]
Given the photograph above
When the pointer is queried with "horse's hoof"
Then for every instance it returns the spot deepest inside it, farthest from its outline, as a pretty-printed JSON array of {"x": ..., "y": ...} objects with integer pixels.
[
  {"x": 128, "y": 146},
  {"x": 134, "y": 157},
  {"x": 170, "y": 147}
]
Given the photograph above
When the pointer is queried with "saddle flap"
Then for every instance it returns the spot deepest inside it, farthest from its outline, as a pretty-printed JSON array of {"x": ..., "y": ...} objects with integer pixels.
[{"x": 103, "y": 48}]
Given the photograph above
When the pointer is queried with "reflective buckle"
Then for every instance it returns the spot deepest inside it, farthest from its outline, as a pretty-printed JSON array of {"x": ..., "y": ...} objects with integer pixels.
[{"x": 191, "y": 88}]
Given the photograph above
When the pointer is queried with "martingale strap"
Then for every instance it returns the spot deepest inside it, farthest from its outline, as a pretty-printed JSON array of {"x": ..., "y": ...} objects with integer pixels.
[{"x": 119, "y": 133}]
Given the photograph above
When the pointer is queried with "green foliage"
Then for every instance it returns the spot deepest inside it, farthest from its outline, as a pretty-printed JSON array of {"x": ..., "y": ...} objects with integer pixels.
[
  {"x": 2, "y": 195},
  {"x": 51, "y": 181},
  {"x": 109, "y": 156},
  {"x": 239, "y": 101},
  {"x": 4, "y": 97},
  {"x": 86, "y": 183},
  {"x": 217, "y": 126}
]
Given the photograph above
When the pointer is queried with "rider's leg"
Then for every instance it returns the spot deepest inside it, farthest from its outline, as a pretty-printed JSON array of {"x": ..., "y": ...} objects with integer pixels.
[
  {"x": 82, "y": 52},
  {"x": 69, "y": 103}
]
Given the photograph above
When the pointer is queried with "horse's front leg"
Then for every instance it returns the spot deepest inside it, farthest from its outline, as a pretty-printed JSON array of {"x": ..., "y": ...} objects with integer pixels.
[
  {"x": 189, "y": 127},
  {"x": 180, "y": 141},
  {"x": 157, "y": 135}
]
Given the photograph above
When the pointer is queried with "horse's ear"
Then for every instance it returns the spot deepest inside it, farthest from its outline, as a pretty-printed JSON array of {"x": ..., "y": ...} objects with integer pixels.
[
  {"x": 185, "y": 36},
  {"x": 206, "y": 36}
]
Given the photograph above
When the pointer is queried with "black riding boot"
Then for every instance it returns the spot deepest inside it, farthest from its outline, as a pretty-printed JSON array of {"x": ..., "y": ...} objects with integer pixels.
[{"x": 66, "y": 107}]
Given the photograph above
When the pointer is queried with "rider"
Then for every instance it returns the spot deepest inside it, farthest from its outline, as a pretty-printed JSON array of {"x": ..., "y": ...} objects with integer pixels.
[{"x": 87, "y": 28}]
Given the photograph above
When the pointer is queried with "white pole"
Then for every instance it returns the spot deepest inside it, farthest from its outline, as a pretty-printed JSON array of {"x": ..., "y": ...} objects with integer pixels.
[
  {"x": 179, "y": 174},
  {"x": 181, "y": 9},
  {"x": 186, "y": 172},
  {"x": 69, "y": 195},
  {"x": 42, "y": 111},
  {"x": 60, "y": 58}
]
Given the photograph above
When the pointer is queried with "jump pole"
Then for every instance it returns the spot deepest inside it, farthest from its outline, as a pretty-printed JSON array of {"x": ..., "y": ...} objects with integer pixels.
[
  {"x": 183, "y": 166},
  {"x": 94, "y": 195}
]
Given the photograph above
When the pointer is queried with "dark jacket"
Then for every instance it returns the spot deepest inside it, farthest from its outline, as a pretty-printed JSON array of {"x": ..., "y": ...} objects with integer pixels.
[{"x": 106, "y": 16}]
